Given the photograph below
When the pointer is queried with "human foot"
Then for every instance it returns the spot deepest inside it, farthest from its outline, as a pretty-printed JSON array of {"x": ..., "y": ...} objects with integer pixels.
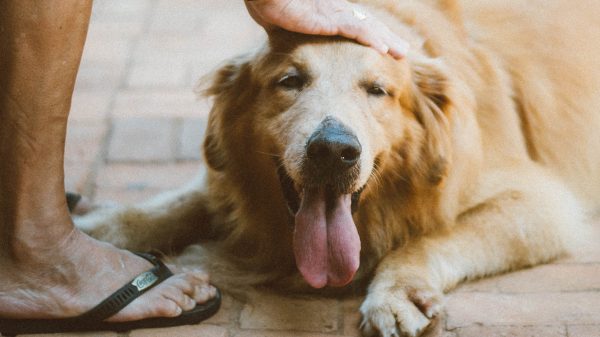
[{"x": 76, "y": 275}]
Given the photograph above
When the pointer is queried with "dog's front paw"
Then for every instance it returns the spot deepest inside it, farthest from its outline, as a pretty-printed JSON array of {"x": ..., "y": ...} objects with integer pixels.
[{"x": 399, "y": 312}]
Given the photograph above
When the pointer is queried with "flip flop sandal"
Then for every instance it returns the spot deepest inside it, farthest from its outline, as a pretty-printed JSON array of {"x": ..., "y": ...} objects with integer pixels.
[
  {"x": 72, "y": 200},
  {"x": 93, "y": 320}
]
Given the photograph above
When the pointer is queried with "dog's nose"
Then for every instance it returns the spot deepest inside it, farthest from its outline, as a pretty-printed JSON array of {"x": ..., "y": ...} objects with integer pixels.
[{"x": 333, "y": 147}]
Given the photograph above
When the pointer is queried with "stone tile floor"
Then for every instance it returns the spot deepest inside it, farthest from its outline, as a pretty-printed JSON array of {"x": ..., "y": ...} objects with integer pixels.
[{"x": 135, "y": 130}]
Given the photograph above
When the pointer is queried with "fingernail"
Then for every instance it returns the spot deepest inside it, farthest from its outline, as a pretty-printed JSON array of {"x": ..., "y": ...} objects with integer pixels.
[
  {"x": 400, "y": 49},
  {"x": 383, "y": 48}
]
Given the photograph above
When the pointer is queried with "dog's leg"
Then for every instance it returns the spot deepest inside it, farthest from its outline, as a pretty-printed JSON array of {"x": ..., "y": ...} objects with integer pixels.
[
  {"x": 511, "y": 230},
  {"x": 166, "y": 223}
]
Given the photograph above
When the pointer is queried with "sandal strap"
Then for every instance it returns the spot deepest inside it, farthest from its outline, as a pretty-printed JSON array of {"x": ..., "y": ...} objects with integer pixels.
[
  {"x": 72, "y": 200},
  {"x": 129, "y": 292}
]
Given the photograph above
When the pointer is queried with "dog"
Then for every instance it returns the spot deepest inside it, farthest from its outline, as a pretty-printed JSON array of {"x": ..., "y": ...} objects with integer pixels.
[{"x": 330, "y": 166}]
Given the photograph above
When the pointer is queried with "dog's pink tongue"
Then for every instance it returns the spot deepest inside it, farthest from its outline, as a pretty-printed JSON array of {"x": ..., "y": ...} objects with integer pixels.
[{"x": 326, "y": 242}]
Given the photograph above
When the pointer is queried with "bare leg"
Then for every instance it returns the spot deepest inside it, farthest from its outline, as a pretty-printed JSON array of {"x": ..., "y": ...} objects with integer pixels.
[{"x": 49, "y": 269}]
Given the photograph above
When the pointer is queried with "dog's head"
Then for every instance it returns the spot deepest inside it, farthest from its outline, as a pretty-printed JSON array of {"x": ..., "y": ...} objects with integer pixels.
[{"x": 325, "y": 119}]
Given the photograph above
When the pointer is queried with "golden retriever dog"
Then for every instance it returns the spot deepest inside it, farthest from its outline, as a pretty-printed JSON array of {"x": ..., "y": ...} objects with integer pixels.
[{"x": 331, "y": 166}]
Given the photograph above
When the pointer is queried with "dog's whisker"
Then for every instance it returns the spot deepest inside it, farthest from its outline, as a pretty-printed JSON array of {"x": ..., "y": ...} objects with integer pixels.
[{"x": 376, "y": 177}]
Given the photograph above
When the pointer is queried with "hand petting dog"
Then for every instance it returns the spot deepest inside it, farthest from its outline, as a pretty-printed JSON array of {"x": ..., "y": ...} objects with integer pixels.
[{"x": 333, "y": 17}]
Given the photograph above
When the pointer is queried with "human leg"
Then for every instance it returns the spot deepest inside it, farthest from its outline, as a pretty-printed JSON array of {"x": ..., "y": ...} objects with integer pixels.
[{"x": 49, "y": 269}]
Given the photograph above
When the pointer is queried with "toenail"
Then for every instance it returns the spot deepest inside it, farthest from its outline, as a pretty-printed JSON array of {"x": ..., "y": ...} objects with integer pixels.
[{"x": 212, "y": 291}]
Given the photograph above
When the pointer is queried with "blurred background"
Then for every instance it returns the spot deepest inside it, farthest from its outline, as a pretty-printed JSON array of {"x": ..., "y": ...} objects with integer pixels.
[{"x": 136, "y": 124}]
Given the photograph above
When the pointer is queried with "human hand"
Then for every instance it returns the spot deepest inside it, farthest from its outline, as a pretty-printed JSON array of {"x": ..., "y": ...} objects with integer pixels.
[{"x": 328, "y": 17}]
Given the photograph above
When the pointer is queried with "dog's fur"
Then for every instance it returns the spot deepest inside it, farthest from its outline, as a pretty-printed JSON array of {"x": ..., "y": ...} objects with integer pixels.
[{"x": 483, "y": 158}]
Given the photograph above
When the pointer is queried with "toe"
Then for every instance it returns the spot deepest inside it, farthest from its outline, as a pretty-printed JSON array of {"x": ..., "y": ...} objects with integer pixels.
[
  {"x": 392, "y": 314},
  {"x": 196, "y": 286},
  {"x": 185, "y": 282},
  {"x": 167, "y": 308},
  {"x": 176, "y": 295},
  {"x": 204, "y": 293},
  {"x": 429, "y": 303},
  {"x": 170, "y": 298},
  {"x": 186, "y": 303},
  {"x": 156, "y": 302},
  {"x": 200, "y": 275}
]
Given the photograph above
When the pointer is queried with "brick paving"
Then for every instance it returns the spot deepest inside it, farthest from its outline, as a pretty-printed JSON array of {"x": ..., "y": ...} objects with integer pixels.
[{"x": 135, "y": 131}]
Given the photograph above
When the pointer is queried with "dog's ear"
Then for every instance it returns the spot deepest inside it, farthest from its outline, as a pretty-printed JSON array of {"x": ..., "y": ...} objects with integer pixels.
[
  {"x": 431, "y": 104},
  {"x": 224, "y": 78},
  {"x": 230, "y": 88}
]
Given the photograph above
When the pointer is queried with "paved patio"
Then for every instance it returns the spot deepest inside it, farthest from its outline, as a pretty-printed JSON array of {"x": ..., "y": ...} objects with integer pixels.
[{"x": 136, "y": 128}]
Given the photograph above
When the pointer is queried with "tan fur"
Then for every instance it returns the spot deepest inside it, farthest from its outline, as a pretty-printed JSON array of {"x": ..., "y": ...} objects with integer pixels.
[{"x": 485, "y": 159}]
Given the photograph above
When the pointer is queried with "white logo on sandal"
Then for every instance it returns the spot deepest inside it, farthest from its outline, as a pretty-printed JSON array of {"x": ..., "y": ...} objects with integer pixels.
[{"x": 144, "y": 280}]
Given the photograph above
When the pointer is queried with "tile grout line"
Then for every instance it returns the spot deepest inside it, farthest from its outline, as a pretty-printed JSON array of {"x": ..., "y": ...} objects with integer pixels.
[{"x": 90, "y": 187}]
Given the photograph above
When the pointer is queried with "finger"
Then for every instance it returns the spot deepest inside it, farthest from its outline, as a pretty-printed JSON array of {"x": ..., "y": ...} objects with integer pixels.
[
  {"x": 398, "y": 47},
  {"x": 369, "y": 31},
  {"x": 365, "y": 35}
]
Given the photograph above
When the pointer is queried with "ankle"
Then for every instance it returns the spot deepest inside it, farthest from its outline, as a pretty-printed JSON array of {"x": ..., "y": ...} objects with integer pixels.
[{"x": 32, "y": 244}]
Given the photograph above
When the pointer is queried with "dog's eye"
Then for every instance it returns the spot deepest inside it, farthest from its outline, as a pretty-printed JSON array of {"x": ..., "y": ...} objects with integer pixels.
[
  {"x": 377, "y": 90},
  {"x": 291, "y": 81}
]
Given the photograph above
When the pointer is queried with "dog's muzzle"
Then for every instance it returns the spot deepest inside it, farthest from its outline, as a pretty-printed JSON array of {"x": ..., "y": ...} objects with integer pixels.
[
  {"x": 332, "y": 157},
  {"x": 332, "y": 162}
]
